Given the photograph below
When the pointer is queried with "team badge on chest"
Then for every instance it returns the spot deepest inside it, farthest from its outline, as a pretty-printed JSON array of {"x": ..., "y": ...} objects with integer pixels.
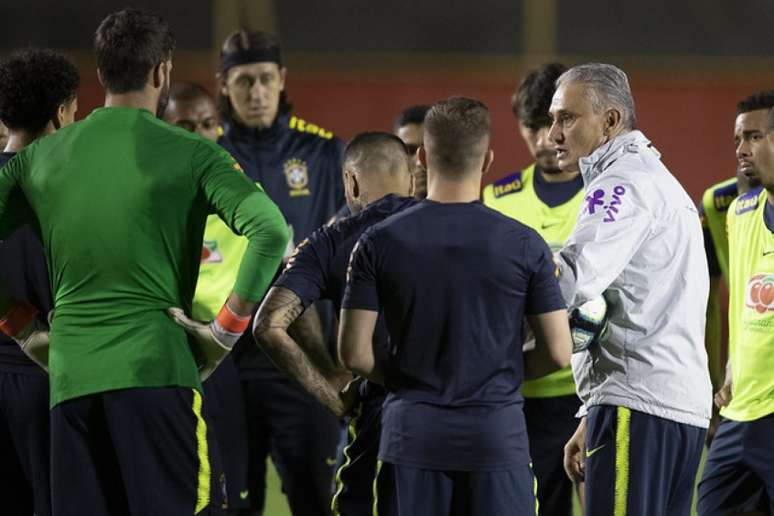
[
  {"x": 297, "y": 175},
  {"x": 210, "y": 252}
]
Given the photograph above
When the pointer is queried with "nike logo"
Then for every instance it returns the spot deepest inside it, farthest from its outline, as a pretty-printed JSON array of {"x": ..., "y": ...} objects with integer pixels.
[
  {"x": 244, "y": 494},
  {"x": 544, "y": 226},
  {"x": 766, "y": 253},
  {"x": 330, "y": 462},
  {"x": 589, "y": 453}
]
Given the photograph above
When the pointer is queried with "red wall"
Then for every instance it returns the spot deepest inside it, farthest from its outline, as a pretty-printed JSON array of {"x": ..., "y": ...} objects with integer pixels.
[{"x": 688, "y": 115}]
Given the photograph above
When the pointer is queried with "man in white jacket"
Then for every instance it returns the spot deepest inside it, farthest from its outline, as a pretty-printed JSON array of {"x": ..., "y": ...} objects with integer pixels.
[{"x": 638, "y": 242}]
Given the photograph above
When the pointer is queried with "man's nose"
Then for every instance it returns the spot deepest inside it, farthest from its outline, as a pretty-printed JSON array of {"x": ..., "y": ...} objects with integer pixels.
[
  {"x": 555, "y": 134},
  {"x": 257, "y": 90},
  {"x": 743, "y": 149}
]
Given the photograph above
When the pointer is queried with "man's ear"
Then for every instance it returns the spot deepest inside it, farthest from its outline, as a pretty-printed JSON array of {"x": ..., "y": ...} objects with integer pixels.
[
  {"x": 351, "y": 184},
  {"x": 283, "y": 75},
  {"x": 100, "y": 79},
  {"x": 355, "y": 186},
  {"x": 488, "y": 160},
  {"x": 58, "y": 119},
  {"x": 221, "y": 78},
  {"x": 612, "y": 121},
  {"x": 422, "y": 155},
  {"x": 158, "y": 76}
]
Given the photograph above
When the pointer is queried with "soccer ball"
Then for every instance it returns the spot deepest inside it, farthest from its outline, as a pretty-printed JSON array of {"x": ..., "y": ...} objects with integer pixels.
[{"x": 588, "y": 323}]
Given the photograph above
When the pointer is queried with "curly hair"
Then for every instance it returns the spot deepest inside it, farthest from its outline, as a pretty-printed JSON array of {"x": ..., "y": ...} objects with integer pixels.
[
  {"x": 531, "y": 100},
  {"x": 33, "y": 84}
]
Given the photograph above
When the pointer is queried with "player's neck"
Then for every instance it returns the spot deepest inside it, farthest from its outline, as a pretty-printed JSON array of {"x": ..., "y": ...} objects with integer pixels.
[
  {"x": 770, "y": 196},
  {"x": 17, "y": 140},
  {"x": 465, "y": 190},
  {"x": 561, "y": 176},
  {"x": 139, "y": 99}
]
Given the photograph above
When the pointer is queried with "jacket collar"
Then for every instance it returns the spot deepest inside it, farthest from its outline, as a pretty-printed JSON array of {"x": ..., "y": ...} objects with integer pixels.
[
  {"x": 243, "y": 132},
  {"x": 605, "y": 155}
]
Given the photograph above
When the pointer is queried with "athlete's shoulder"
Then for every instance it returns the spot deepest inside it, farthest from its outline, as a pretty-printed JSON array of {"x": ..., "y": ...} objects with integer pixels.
[
  {"x": 720, "y": 195},
  {"x": 372, "y": 215},
  {"x": 158, "y": 125},
  {"x": 309, "y": 130},
  {"x": 42, "y": 148},
  {"x": 503, "y": 222},
  {"x": 384, "y": 207},
  {"x": 748, "y": 202},
  {"x": 510, "y": 184}
]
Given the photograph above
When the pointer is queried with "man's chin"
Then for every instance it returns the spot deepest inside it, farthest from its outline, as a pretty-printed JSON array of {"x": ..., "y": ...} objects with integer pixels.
[
  {"x": 566, "y": 165},
  {"x": 255, "y": 122},
  {"x": 551, "y": 169}
]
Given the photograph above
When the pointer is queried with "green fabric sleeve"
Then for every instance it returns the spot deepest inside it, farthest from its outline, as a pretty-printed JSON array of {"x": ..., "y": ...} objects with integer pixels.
[{"x": 248, "y": 211}]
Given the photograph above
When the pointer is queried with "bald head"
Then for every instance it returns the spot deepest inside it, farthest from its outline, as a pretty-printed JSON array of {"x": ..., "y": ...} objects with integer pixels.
[
  {"x": 191, "y": 107},
  {"x": 375, "y": 164},
  {"x": 457, "y": 137}
]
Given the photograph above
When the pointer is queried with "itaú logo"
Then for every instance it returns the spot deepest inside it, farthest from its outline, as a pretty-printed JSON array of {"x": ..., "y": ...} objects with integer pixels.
[{"x": 759, "y": 294}]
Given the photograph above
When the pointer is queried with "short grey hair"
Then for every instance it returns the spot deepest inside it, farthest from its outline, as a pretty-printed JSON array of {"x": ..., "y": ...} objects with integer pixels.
[{"x": 608, "y": 87}]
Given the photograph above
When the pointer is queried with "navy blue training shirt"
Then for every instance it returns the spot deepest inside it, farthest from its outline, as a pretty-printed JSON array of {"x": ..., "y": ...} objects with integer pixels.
[
  {"x": 298, "y": 164},
  {"x": 318, "y": 268},
  {"x": 23, "y": 270},
  {"x": 454, "y": 282}
]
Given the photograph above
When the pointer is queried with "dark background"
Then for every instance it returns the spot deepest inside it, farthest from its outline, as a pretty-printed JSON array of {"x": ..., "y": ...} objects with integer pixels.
[{"x": 353, "y": 65}]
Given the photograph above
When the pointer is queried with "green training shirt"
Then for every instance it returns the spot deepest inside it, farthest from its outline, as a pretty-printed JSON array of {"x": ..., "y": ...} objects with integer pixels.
[
  {"x": 122, "y": 198},
  {"x": 751, "y": 309}
]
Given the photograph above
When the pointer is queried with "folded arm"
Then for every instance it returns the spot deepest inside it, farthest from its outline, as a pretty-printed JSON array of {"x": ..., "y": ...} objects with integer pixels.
[{"x": 293, "y": 339}]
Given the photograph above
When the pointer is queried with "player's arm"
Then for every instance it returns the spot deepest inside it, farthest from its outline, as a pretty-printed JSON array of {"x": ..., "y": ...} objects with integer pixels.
[
  {"x": 360, "y": 311},
  {"x": 356, "y": 351},
  {"x": 603, "y": 241},
  {"x": 553, "y": 344},
  {"x": 725, "y": 393},
  {"x": 546, "y": 313},
  {"x": 248, "y": 211},
  {"x": 19, "y": 318},
  {"x": 278, "y": 332}
]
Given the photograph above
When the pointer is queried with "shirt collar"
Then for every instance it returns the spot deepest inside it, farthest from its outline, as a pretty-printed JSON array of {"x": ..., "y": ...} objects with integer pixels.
[
  {"x": 280, "y": 124},
  {"x": 605, "y": 155}
]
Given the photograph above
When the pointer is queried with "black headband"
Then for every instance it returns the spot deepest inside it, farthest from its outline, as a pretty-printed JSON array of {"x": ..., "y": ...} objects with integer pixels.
[{"x": 250, "y": 55}]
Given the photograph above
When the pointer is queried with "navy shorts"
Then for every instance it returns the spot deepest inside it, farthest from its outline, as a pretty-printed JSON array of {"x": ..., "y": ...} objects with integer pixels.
[
  {"x": 225, "y": 412},
  {"x": 24, "y": 444},
  {"x": 739, "y": 472},
  {"x": 407, "y": 491},
  {"x": 638, "y": 464},
  {"x": 135, "y": 452},
  {"x": 355, "y": 478},
  {"x": 551, "y": 422}
]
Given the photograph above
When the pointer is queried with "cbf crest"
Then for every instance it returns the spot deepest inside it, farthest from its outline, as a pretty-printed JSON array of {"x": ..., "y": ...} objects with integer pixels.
[{"x": 297, "y": 175}]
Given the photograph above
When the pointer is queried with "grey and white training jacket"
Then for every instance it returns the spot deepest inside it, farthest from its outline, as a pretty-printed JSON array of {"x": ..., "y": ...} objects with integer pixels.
[{"x": 639, "y": 242}]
